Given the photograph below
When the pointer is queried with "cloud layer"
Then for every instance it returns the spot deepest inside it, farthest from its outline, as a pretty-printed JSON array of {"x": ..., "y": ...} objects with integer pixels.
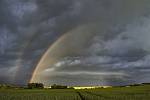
[{"x": 118, "y": 46}]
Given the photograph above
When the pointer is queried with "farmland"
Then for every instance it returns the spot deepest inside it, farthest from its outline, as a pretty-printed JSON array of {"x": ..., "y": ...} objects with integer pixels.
[{"x": 115, "y": 93}]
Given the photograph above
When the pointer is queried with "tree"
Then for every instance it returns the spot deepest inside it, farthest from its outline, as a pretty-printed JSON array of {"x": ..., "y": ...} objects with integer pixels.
[
  {"x": 35, "y": 86},
  {"x": 58, "y": 87}
]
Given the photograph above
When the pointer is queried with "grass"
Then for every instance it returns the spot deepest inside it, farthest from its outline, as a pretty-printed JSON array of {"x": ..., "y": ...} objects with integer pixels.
[
  {"x": 124, "y": 93},
  {"x": 116, "y": 93}
]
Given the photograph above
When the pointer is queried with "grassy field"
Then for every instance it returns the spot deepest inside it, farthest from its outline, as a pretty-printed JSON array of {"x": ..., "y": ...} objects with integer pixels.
[{"x": 116, "y": 93}]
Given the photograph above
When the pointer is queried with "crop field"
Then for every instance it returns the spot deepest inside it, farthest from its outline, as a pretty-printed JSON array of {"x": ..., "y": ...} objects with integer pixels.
[{"x": 116, "y": 93}]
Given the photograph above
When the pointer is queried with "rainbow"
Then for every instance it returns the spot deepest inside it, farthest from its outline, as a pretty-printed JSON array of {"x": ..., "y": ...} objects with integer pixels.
[
  {"x": 82, "y": 30},
  {"x": 48, "y": 51}
]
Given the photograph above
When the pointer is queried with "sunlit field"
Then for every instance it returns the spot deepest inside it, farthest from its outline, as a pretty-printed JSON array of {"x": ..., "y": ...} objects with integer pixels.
[{"x": 115, "y": 93}]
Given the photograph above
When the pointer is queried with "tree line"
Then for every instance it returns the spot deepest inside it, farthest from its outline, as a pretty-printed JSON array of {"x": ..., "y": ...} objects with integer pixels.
[{"x": 54, "y": 86}]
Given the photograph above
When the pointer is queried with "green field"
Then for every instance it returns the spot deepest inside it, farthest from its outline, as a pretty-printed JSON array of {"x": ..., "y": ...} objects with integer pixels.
[{"x": 116, "y": 93}]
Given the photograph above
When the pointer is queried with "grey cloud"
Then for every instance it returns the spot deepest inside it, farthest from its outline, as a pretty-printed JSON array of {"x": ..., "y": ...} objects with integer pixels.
[
  {"x": 6, "y": 39},
  {"x": 20, "y": 18},
  {"x": 28, "y": 28},
  {"x": 125, "y": 53}
]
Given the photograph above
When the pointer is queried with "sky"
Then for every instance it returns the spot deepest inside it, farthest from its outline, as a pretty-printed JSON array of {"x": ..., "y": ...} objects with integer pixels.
[{"x": 75, "y": 42}]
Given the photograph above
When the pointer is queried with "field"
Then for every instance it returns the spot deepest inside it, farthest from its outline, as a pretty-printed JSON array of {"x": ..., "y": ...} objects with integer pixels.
[{"x": 116, "y": 93}]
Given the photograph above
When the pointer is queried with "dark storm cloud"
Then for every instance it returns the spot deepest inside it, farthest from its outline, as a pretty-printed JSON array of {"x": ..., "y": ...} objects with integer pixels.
[
  {"x": 24, "y": 26},
  {"x": 28, "y": 28},
  {"x": 127, "y": 53}
]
